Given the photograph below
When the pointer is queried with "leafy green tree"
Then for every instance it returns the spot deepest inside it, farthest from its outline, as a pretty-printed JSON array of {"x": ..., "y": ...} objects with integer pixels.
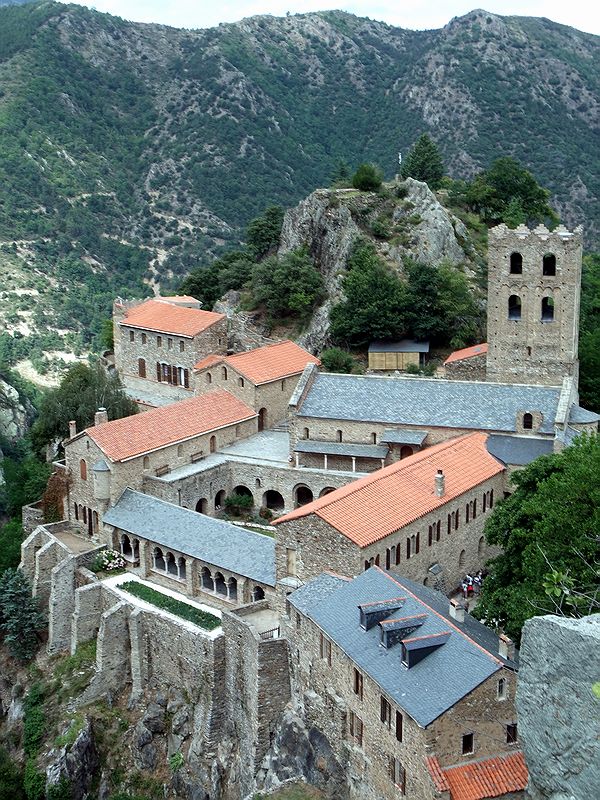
[
  {"x": 376, "y": 301},
  {"x": 203, "y": 283},
  {"x": 25, "y": 478},
  {"x": 424, "y": 162},
  {"x": 235, "y": 270},
  {"x": 82, "y": 391},
  {"x": 589, "y": 333},
  {"x": 262, "y": 233},
  {"x": 11, "y": 783},
  {"x": 289, "y": 285},
  {"x": 367, "y": 178},
  {"x": 107, "y": 336},
  {"x": 507, "y": 191},
  {"x": 549, "y": 524},
  {"x": 20, "y": 617},
  {"x": 11, "y": 536},
  {"x": 341, "y": 175},
  {"x": 334, "y": 359}
]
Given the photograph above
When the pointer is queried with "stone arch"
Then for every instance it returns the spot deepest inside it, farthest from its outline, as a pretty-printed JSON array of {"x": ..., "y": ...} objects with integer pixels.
[
  {"x": 547, "y": 309},
  {"x": 262, "y": 419},
  {"x": 244, "y": 491},
  {"x": 305, "y": 433},
  {"x": 220, "y": 499},
  {"x": 326, "y": 490},
  {"x": 126, "y": 547},
  {"x": 549, "y": 264},
  {"x": 202, "y": 506},
  {"x": 206, "y": 579},
  {"x": 462, "y": 558},
  {"x": 516, "y": 264},
  {"x": 258, "y": 593},
  {"x": 527, "y": 421},
  {"x": 181, "y": 568},
  {"x": 232, "y": 588},
  {"x": 224, "y": 373},
  {"x": 171, "y": 563},
  {"x": 406, "y": 451},
  {"x": 302, "y": 495},
  {"x": 158, "y": 560},
  {"x": 220, "y": 584},
  {"x": 274, "y": 500},
  {"x": 514, "y": 307},
  {"x": 212, "y": 444}
]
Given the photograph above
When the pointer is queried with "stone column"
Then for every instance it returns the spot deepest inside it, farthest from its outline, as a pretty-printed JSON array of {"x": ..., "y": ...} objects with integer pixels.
[
  {"x": 353, "y": 463},
  {"x": 143, "y": 559},
  {"x": 189, "y": 576}
]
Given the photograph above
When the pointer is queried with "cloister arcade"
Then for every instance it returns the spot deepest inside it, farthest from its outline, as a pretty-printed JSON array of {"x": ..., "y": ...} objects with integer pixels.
[{"x": 262, "y": 497}]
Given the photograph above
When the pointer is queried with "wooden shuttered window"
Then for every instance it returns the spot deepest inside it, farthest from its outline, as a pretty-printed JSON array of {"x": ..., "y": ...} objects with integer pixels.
[{"x": 399, "y": 726}]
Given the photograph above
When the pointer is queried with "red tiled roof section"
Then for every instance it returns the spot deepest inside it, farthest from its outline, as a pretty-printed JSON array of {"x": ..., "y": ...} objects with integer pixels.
[
  {"x": 155, "y": 315},
  {"x": 467, "y": 352},
  {"x": 488, "y": 778},
  {"x": 437, "y": 774},
  {"x": 372, "y": 507},
  {"x": 270, "y": 363},
  {"x": 131, "y": 436},
  {"x": 209, "y": 361}
]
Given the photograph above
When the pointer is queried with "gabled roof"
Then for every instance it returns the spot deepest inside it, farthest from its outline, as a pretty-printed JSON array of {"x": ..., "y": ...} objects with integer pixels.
[
  {"x": 518, "y": 450},
  {"x": 126, "y": 438},
  {"x": 403, "y": 346},
  {"x": 265, "y": 364},
  {"x": 432, "y": 402},
  {"x": 382, "y": 502},
  {"x": 467, "y": 352},
  {"x": 482, "y": 779},
  {"x": 435, "y": 683},
  {"x": 211, "y": 540},
  {"x": 165, "y": 317}
]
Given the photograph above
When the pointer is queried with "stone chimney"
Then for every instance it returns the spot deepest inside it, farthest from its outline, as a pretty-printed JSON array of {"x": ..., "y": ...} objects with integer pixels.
[
  {"x": 506, "y": 647},
  {"x": 100, "y": 416},
  {"x": 440, "y": 484},
  {"x": 457, "y": 610},
  {"x": 72, "y": 429}
]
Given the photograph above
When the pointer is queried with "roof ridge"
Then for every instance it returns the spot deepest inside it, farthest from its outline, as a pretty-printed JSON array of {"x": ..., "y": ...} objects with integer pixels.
[{"x": 437, "y": 613}]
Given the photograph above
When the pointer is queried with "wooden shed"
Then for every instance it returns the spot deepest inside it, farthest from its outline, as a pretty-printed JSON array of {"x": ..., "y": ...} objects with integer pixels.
[{"x": 397, "y": 355}]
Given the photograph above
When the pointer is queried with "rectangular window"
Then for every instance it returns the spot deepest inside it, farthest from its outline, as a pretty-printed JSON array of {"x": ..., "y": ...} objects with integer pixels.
[
  {"x": 290, "y": 558},
  {"x": 501, "y": 694},
  {"x": 449, "y": 523},
  {"x": 438, "y": 529},
  {"x": 399, "y": 726},
  {"x": 398, "y": 774},
  {"x": 159, "y": 341},
  {"x": 358, "y": 683},
  {"x": 356, "y": 728},
  {"x": 456, "y": 519},
  {"x": 131, "y": 336},
  {"x": 385, "y": 713},
  {"x": 181, "y": 347},
  {"x": 170, "y": 344},
  {"x": 467, "y": 511},
  {"x": 325, "y": 649},
  {"x": 430, "y": 536},
  {"x": 511, "y": 733},
  {"x": 467, "y": 744},
  {"x": 298, "y": 622},
  {"x": 144, "y": 338}
]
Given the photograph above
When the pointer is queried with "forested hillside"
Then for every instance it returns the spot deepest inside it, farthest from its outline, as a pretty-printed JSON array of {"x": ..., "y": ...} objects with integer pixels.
[{"x": 130, "y": 153}]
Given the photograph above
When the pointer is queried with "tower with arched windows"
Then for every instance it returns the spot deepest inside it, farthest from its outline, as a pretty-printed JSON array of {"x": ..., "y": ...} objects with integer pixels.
[{"x": 534, "y": 284}]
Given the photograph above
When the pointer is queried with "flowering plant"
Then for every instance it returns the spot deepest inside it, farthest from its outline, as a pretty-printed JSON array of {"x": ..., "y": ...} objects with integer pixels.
[{"x": 108, "y": 561}]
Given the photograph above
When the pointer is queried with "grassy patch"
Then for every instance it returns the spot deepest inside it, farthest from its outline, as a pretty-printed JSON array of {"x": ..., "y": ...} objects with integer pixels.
[
  {"x": 73, "y": 673},
  {"x": 177, "y": 607}
]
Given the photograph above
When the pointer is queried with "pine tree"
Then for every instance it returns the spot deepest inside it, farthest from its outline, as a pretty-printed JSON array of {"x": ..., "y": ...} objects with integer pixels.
[{"x": 424, "y": 163}]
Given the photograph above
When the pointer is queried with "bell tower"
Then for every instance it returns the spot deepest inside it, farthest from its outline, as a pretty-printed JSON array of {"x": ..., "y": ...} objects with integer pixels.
[{"x": 534, "y": 288}]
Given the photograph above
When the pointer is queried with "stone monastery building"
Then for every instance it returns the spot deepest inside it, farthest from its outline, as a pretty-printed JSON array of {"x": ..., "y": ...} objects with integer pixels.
[{"x": 334, "y": 629}]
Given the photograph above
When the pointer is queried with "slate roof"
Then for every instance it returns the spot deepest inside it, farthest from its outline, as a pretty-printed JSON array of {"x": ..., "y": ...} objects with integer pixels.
[
  {"x": 482, "y": 779},
  {"x": 384, "y": 501},
  {"x": 265, "y": 364},
  {"x": 131, "y": 436},
  {"x": 434, "y": 684},
  {"x": 518, "y": 450},
  {"x": 341, "y": 448},
  {"x": 403, "y": 436},
  {"x": 403, "y": 346},
  {"x": 211, "y": 540},
  {"x": 165, "y": 317},
  {"x": 467, "y": 352},
  {"x": 581, "y": 415},
  {"x": 431, "y": 402}
]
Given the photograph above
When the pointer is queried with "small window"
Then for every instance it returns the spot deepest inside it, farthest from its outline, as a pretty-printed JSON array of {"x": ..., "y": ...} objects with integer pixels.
[
  {"x": 306, "y": 434},
  {"x": 241, "y": 382},
  {"x": 462, "y": 558},
  {"x": 475, "y": 508},
  {"x": 179, "y": 450},
  {"x": 283, "y": 385},
  {"x": 212, "y": 444},
  {"x": 399, "y": 726},
  {"x": 325, "y": 649},
  {"x": 549, "y": 264},
  {"x": 131, "y": 336},
  {"x": 528, "y": 352},
  {"x": 467, "y": 744},
  {"x": 501, "y": 690},
  {"x": 514, "y": 307},
  {"x": 467, "y": 508},
  {"x": 182, "y": 347},
  {"x": 516, "y": 264},
  {"x": 398, "y": 774},
  {"x": 511, "y": 733},
  {"x": 385, "y": 712},
  {"x": 142, "y": 367},
  {"x": 83, "y": 469},
  {"x": 481, "y": 546},
  {"x": 170, "y": 344},
  {"x": 408, "y": 547},
  {"x": 159, "y": 341},
  {"x": 339, "y": 436},
  {"x": 76, "y": 511},
  {"x": 547, "y": 309},
  {"x": 450, "y": 523},
  {"x": 298, "y": 621},
  {"x": 144, "y": 338},
  {"x": 208, "y": 377},
  {"x": 438, "y": 530},
  {"x": 356, "y": 728},
  {"x": 430, "y": 536},
  {"x": 358, "y": 683},
  {"x": 224, "y": 373},
  {"x": 527, "y": 422},
  {"x": 146, "y": 462},
  {"x": 373, "y": 438}
]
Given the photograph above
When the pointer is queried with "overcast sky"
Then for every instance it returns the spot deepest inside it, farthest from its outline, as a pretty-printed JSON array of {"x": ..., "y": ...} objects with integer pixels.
[{"x": 415, "y": 14}]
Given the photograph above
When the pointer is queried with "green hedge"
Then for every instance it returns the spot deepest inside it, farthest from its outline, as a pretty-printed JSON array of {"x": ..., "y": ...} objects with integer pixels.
[{"x": 181, "y": 609}]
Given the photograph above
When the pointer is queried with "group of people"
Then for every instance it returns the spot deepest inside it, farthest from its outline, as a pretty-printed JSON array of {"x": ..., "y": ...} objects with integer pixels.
[{"x": 471, "y": 584}]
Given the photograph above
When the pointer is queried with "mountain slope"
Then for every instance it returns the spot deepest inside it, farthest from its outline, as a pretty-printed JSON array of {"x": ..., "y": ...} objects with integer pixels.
[{"x": 130, "y": 152}]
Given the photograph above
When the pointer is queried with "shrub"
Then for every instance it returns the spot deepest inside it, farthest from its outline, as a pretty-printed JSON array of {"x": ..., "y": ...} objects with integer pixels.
[
  {"x": 367, "y": 178},
  {"x": 108, "y": 561},
  {"x": 20, "y": 616},
  {"x": 337, "y": 360},
  {"x": 238, "y": 502},
  {"x": 176, "y": 761}
]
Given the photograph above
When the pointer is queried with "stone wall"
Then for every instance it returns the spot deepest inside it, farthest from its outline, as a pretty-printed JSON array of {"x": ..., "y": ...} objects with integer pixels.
[
  {"x": 32, "y": 516},
  {"x": 467, "y": 369},
  {"x": 558, "y": 702}
]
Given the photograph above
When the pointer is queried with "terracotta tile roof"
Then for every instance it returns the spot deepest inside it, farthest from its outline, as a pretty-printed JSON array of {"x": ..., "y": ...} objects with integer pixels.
[
  {"x": 270, "y": 363},
  {"x": 467, "y": 352},
  {"x": 209, "y": 361},
  {"x": 178, "y": 298},
  {"x": 131, "y": 436},
  {"x": 382, "y": 502},
  {"x": 165, "y": 317},
  {"x": 479, "y": 780}
]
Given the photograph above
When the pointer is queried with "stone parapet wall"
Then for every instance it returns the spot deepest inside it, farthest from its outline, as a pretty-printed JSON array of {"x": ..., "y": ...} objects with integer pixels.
[
  {"x": 32, "y": 516},
  {"x": 468, "y": 369}
]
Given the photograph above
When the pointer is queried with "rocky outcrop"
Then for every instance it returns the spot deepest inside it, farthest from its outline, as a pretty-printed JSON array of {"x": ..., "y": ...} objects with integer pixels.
[
  {"x": 16, "y": 412},
  {"x": 76, "y": 764},
  {"x": 558, "y": 704}
]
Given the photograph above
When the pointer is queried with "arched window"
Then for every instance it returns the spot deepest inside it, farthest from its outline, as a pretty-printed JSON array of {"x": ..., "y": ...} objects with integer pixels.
[
  {"x": 475, "y": 508},
  {"x": 549, "y": 264},
  {"x": 181, "y": 347},
  {"x": 374, "y": 438},
  {"x": 527, "y": 422},
  {"x": 484, "y": 502},
  {"x": 213, "y": 444},
  {"x": 491, "y": 503},
  {"x": 208, "y": 377},
  {"x": 430, "y": 536},
  {"x": 179, "y": 450},
  {"x": 131, "y": 336},
  {"x": 142, "y": 367},
  {"x": 516, "y": 263},
  {"x": 83, "y": 469},
  {"x": 547, "y": 309},
  {"x": 339, "y": 436},
  {"x": 398, "y": 549},
  {"x": 306, "y": 434},
  {"x": 462, "y": 558},
  {"x": 481, "y": 546},
  {"x": 241, "y": 382},
  {"x": 501, "y": 689},
  {"x": 406, "y": 451},
  {"x": 146, "y": 462},
  {"x": 514, "y": 307},
  {"x": 224, "y": 373}
]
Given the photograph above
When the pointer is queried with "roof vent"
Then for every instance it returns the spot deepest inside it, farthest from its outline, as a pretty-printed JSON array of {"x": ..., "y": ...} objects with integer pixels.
[
  {"x": 440, "y": 484},
  {"x": 457, "y": 610},
  {"x": 415, "y": 650},
  {"x": 506, "y": 647},
  {"x": 395, "y": 630},
  {"x": 372, "y": 613},
  {"x": 100, "y": 416}
]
